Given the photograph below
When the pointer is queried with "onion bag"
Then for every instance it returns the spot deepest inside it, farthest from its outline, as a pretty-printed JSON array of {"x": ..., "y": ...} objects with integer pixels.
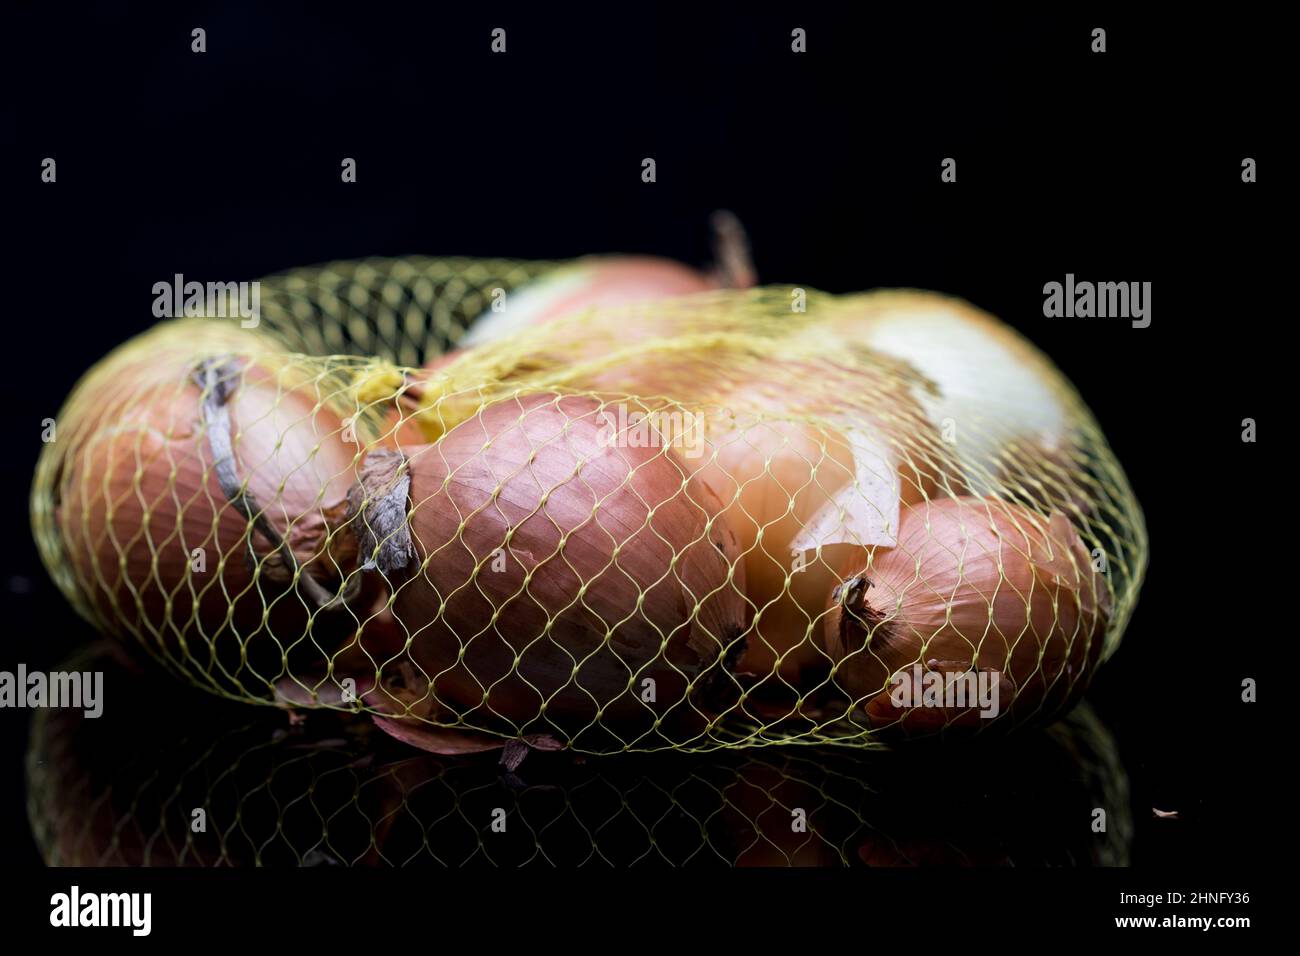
[{"x": 721, "y": 520}]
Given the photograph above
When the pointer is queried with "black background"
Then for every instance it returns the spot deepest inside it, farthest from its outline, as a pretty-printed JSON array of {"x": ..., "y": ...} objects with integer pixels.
[{"x": 1124, "y": 166}]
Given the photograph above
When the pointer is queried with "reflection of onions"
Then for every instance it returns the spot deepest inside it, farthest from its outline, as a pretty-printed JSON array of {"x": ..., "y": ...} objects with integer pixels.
[
  {"x": 972, "y": 584},
  {"x": 162, "y": 480},
  {"x": 761, "y": 815},
  {"x": 559, "y": 570}
]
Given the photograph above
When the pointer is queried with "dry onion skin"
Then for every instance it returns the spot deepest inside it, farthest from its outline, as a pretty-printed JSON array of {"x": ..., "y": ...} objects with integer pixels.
[
  {"x": 195, "y": 505},
  {"x": 973, "y": 586},
  {"x": 997, "y": 400},
  {"x": 553, "y": 580},
  {"x": 803, "y": 495}
]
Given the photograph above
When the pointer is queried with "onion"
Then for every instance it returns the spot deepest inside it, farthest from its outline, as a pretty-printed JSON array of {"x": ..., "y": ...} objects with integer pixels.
[
  {"x": 594, "y": 282},
  {"x": 774, "y": 476},
  {"x": 973, "y": 585},
  {"x": 800, "y": 479},
  {"x": 804, "y": 479},
  {"x": 607, "y": 281},
  {"x": 557, "y": 570},
  {"x": 801, "y": 498},
  {"x": 392, "y": 395},
  {"x": 160, "y": 484},
  {"x": 994, "y": 392}
]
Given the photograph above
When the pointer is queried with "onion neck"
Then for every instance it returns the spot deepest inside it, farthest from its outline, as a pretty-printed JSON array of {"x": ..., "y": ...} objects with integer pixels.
[
  {"x": 858, "y": 618},
  {"x": 732, "y": 266},
  {"x": 378, "y": 504}
]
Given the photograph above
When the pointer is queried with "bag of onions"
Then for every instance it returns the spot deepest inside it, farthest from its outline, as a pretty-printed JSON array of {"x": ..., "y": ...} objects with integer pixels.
[{"x": 712, "y": 520}]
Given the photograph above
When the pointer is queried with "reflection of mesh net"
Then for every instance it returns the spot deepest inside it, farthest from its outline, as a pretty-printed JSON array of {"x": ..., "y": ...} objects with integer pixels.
[
  {"x": 124, "y": 790},
  {"x": 641, "y": 528}
]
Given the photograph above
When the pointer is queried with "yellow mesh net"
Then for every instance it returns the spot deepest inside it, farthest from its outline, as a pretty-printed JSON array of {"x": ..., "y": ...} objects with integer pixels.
[{"x": 728, "y": 519}]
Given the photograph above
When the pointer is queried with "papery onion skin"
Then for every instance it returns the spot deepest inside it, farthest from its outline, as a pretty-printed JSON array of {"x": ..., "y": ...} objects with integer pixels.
[
  {"x": 491, "y": 503},
  {"x": 157, "y": 547},
  {"x": 973, "y": 583},
  {"x": 992, "y": 388},
  {"x": 774, "y": 475}
]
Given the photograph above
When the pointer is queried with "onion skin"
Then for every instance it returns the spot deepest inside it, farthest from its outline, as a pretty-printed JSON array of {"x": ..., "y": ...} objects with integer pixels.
[
  {"x": 139, "y": 494},
  {"x": 594, "y": 282},
  {"x": 765, "y": 473},
  {"x": 975, "y": 584},
  {"x": 534, "y": 486},
  {"x": 993, "y": 388},
  {"x": 774, "y": 476}
]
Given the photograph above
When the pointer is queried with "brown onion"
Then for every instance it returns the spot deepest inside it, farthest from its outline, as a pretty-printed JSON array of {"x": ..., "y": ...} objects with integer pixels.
[
  {"x": 973, "y": 586},
  {"x": 611, "y": 281},
  {"x": 597, "y": 282},
  {"x": 1000, "y": 400},
  {"x": 553, "y": 571},
  {"x": 159, "y": 488},
  {"x": 805, "y": 476},
  {"x": 802, "y": 481}
]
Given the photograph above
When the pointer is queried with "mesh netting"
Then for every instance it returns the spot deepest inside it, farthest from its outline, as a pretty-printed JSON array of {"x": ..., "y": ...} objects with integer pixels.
[
  {"x": 722, "y": 520},
  {"x": 223, "y": 789},
  {"x": 405, "y": 310}
]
